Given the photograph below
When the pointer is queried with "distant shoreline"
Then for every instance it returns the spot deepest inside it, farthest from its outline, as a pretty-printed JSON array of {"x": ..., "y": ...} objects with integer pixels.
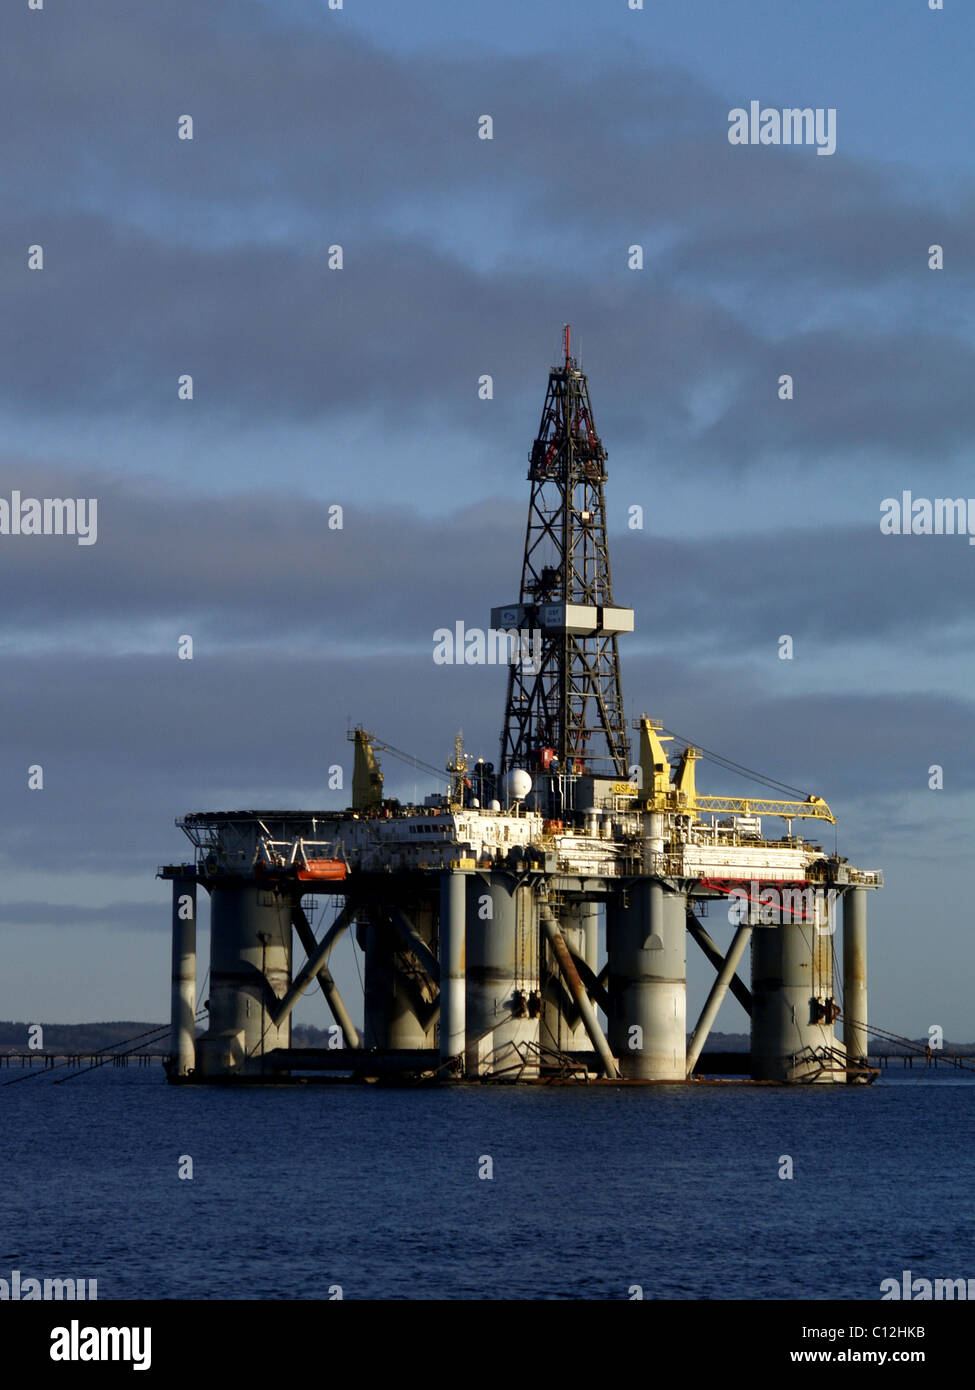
[{"x": 96, "y": 1037}]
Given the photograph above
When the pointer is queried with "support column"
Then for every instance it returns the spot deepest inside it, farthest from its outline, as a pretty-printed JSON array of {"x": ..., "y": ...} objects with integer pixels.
[
  {"x": 502, "y": 977},
  {"x": 792, "y": 982},
  {"x": 453, "y": 921},
  {"x": 183, "y": 1040},
  {"x": 589, "y": 920},
  {"x": 646, "y": 942},
  {"x": 855, "y": 977},
  {"x": 400, "y": 995},
  {"x": 250, "y": 973}
]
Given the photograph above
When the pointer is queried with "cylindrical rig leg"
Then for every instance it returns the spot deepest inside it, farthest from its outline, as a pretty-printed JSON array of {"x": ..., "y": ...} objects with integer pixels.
[
  {"x": 250, "y": 971},
  {"x": 855, "y": 978},
  {"x": 716, "y": 997},
  {"x": 400, "y": 998},
  {"x": 792, "y": 984},
  {"x": 183, "y": 1043},
  {"x": 647, "y": 946},
  {"x": 453, "y": 922},
  {"x": 589, "y": 919},
  {"x": 501, "y": 959}
]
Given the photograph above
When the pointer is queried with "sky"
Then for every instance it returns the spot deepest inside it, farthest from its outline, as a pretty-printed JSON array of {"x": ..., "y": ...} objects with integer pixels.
[{"x": 357, "y": 387}]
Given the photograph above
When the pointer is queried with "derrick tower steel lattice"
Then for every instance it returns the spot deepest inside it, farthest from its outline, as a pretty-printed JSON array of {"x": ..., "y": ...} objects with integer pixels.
[{"x": 566, "y": 703}]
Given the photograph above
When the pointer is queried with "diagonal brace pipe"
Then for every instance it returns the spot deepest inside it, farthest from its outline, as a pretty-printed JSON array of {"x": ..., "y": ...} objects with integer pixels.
[
  {"x": 577, "y": 989},
  {"x": 718, "y": 991},
  {"x": 710, "y": 948},
  {"x": 414, "y": 942},
  {"x": 316, "y": 968},
  {"x": 591, "y": 980}
]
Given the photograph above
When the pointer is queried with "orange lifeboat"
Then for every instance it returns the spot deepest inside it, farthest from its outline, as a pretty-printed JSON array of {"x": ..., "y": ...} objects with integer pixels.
[{"x": 323, "y": 870}]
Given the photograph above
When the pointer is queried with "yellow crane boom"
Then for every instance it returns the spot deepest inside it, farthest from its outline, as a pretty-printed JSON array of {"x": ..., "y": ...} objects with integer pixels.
[{"x": 680, "y": 794}]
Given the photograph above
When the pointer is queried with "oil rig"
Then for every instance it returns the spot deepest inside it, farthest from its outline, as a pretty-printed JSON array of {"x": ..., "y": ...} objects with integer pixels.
[{"x": 477, "y": 913}]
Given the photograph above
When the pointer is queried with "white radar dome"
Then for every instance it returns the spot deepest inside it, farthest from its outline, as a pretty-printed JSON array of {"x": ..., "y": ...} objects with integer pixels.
[
  {"x": 494, "y": 805},
  {"x": 518, "y": 784}
]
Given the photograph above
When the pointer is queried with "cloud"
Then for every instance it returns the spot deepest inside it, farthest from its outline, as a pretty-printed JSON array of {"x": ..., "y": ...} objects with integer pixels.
[
  {"x": 209, "y": 257},
  {"x": 116, "y": 914},
  {"x": 253, "y": 570}
]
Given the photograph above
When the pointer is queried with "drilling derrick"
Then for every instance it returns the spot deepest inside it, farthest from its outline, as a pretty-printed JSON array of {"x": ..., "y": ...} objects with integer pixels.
[{"x": 564, "y": 711}]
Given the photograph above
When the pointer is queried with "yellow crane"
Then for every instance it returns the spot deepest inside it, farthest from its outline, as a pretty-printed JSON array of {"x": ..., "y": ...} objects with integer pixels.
[{"x": 673, "y": 789}]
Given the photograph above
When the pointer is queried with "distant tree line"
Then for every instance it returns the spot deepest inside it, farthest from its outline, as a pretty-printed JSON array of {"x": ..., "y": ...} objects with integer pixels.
[{"x": 94, "y": 1037}]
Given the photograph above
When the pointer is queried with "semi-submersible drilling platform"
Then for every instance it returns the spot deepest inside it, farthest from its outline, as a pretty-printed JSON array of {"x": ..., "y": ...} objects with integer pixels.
[{"x": 478, "y": 911}]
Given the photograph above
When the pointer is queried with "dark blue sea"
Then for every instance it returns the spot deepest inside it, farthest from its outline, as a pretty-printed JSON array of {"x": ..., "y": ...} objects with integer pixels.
[{"x": 594, "y": 1191}]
